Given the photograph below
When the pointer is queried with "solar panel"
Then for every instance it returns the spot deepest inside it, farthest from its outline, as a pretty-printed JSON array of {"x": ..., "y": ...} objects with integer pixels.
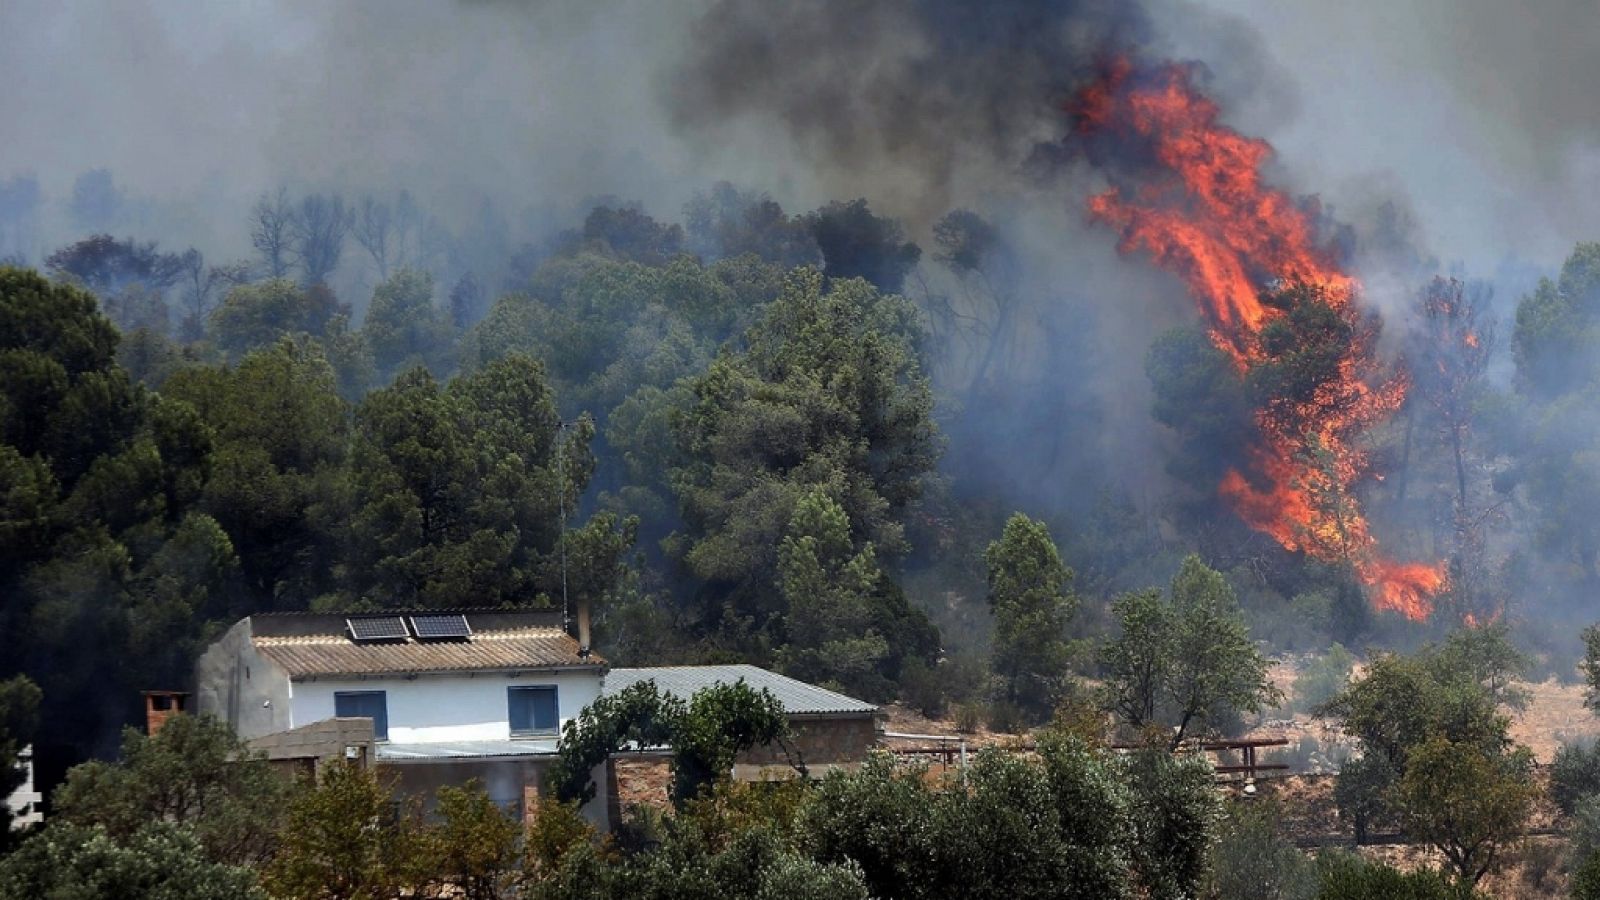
[
  {"x": 378, "y": 628},
  {"x": 441, "y": 625}
]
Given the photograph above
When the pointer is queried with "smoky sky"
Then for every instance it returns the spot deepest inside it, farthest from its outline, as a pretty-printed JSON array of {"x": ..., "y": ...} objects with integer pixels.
[{"x": 1479, "y": 115}]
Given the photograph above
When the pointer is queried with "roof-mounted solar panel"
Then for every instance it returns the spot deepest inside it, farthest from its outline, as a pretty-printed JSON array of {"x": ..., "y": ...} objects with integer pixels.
[
  {"x": 441, "y": 626},
  {"x": 378, "y": 628}
]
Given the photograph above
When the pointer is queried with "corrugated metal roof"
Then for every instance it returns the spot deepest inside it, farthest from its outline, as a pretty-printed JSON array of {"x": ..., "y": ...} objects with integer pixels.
[
  {"x": 797, "y": 697},
  {"x": 463, "y": 750},
  {"x": 327, "y": 654}
]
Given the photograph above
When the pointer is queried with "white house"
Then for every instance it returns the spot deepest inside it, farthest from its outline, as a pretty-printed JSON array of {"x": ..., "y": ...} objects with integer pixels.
[
  {"x": 438, "y": 698},
  {"x": 451, "y": 696},
  {"x": 26, "y": 804}
]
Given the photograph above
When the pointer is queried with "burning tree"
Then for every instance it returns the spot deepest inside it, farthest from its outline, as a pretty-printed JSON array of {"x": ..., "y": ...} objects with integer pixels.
[{"x": 1189, "y": 191}]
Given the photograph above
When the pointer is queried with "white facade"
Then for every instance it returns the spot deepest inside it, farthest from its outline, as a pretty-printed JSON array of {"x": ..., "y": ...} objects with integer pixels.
[
  {"x": 26, "y": 804},
  {"x": 438, "y": 708}
]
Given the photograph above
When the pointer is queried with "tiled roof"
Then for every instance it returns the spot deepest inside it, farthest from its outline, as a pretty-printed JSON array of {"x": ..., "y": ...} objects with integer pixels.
[
  {"x": 797, "y": 697},
  {"x": 336, "y": 654},
  {"x": 463, "y": 750}
]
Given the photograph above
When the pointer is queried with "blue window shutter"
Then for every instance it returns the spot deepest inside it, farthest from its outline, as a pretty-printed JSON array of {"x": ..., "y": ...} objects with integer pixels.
[
  {"x": 533, "y": 710},
  {"x": 364, "y": 705}
]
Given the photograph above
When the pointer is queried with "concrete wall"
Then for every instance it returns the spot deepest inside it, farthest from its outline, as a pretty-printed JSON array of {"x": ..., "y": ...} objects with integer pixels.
[
  {"x": 447, "y": 707},
  {"x": 821, "y": 744},
  {"x": 309, "y": 747},
  {"x": 239, "y": 686}
]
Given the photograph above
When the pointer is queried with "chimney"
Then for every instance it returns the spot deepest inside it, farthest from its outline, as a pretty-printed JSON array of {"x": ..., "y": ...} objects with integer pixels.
[
  {"x": 583, "y": 630},
  {"x": 159, "y": 706}
]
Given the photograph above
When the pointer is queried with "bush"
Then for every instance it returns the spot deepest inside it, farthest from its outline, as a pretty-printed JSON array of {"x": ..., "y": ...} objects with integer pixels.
[
  {"x": 1007, "y": 718},
  {"x": 1253, "y": 861},
  {"x": 1345, "y": 876},
  {"x": 159, "y": 862},
  {"x": 969, "y": 718},
  {"x": 1362, "y": 794},
  {"x": 1323, "y": 678},
  {"x": 1584, "y": 835},
  {"x": 1586, "y": 881},
  {"x": 1574, "y": 774}
]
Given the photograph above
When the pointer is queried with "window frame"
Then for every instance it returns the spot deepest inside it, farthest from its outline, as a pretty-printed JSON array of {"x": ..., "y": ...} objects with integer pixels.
[
  {"x": 533, "y": 732},
  {"x": 380, "y": 727}
]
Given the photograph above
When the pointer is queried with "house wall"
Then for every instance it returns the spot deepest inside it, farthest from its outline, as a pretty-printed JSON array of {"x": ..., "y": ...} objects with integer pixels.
[
  {"x": 241, "y": 687},
  {"x": 447, "y": 707},
  {"x": 25, "y": 803}
]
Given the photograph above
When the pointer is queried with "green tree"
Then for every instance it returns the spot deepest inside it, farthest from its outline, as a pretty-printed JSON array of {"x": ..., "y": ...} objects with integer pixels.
[
  {"x": 158, "y": 862},
  {"x": 344, "y": 840},
  {"x": 194, "y": 773},
  {"x": 1253, "y": 860},
  {"x": 476, "y": 845},
  {"x": 405, "y": 328},
  {"x": 1029, "y": 595},
  {"x": 1468, "y": 803},
  {"x": 256, "y": 315},
  {"x": 828, "y": 393},
  {"x": 1186, "y": 661},
  {"x": 706, "y": 735},
  {"x": 830, "y": 592},
  {"x": 462, "y": 492},
  {"x": 1175, "y": 811},
  {"x": 277, "y": 480},
  {"x": 105, "y": 557}
]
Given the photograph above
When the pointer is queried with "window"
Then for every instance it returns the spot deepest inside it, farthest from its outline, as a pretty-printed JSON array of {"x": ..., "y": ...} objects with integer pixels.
[
  {"x": 533, "y": 710},
  {"x": 364, "y": 705}
]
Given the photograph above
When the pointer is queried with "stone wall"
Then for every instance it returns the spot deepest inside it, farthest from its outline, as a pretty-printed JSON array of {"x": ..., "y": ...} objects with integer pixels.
[{"x": 821, "y": 744}]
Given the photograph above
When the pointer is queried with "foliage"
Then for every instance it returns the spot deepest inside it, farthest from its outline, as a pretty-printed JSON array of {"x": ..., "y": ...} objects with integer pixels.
[
  {"x": 1467, "y": 802},
  {"x": 706, "y": 734},
  {"x": 463, "y": 492},
  {"x": 1186, "y": 661},
  {"x": 404, "y": 328},
  {"x": 827, "y": 395},
  {"x": 1322, "y": 678},
  {"x": 344, "y": 839},
  {"x": 1363, "y": 794},
  {"x": 475, "y": 845},
  {"x": 1175, "y": 811},
  {"x": 830, "y": 592},
  {"x": 1586, "y": 879},
  {"x": 1574, "y": 774},
  {"x": 1437, "y": 753},
  {"x": 157, "y": 862},
  {"x": 1252, "y": 859},
  {"x": 1029, "y": 594},
  {"x": 1346, "y": 876},
  {"x": 256, "y": 315},
  {"x": 1584, "y": 834},
  {"x": 857, "y": 244},
  {"x": 193, "y": 772}
]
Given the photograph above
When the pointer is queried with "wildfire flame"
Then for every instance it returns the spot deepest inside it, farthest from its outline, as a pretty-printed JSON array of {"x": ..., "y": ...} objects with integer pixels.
[{"x": 1203, "y": 212}]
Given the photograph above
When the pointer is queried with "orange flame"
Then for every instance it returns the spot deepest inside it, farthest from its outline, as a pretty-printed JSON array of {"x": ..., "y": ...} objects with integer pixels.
[{"x": 1206, "y": 215}]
